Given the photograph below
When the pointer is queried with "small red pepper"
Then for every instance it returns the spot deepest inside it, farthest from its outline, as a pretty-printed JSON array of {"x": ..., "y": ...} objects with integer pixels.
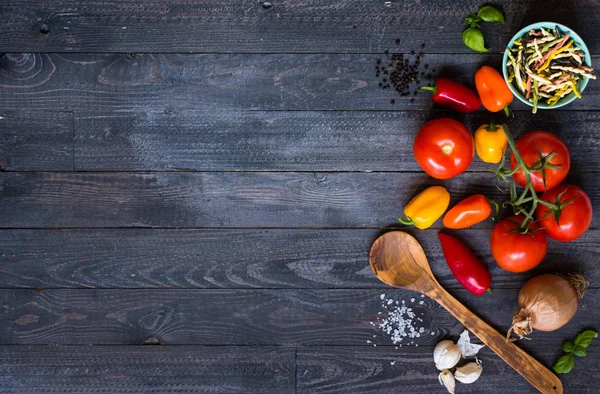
[
  {"x": 464, "y": 265},
  {"x": 454, "y": 95}
]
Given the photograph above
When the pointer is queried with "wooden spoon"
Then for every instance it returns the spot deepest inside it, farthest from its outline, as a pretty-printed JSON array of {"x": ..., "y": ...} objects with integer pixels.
[{"x": 398, "y": 260}]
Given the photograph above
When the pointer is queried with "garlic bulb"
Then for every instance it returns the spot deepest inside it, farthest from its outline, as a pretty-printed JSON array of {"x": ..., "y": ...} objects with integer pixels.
[
  {"x": 468, "y": 373},
  {"x": 447, "y": 380},
  {"x": 446, "y": 355}
]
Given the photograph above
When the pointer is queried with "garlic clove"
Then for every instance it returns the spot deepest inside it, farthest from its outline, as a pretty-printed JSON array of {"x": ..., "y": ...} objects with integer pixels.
[
  {"x": 446, "y": 355},
  {"x": 468, "y": 373},
  {"x": 446, "y": 379}
]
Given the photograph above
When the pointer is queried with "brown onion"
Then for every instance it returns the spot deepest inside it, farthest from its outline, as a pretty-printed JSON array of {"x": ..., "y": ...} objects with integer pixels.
[{"x": 547, "y": 303}]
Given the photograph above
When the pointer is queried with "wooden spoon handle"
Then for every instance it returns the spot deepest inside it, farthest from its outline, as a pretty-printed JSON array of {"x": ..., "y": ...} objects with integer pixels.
[{"x": 532, "y": 370}]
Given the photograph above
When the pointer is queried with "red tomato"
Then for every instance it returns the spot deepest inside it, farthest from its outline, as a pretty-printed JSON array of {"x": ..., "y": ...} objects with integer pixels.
[
  {"x": 573, "y": 219},
  {"x": 444, "y": 148},
  {"x": 529, "y": 147},
  {"x": 516, "y": 252}
]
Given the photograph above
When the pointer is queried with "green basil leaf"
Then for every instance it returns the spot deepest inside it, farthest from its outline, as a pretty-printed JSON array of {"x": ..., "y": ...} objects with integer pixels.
[
  {"x": 585, "y": 338},
  {"x": 473, "y": 38},
  {"x": 490, "y": 14},
  {"x": 567, "y": 347},
  {"x": 564, "y": 364},
  {"x": 579, "y": 351}
]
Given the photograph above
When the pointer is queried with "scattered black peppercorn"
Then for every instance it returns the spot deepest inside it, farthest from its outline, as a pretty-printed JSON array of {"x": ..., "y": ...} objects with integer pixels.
[
  {"x": 392, "y": 101},
  {"x": 402, "y": 72},
  {"x": 397, "y": 41}
]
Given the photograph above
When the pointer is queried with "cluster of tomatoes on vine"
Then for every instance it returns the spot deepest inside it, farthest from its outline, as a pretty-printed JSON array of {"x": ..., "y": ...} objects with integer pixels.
[{"x": 539, "y": 162}]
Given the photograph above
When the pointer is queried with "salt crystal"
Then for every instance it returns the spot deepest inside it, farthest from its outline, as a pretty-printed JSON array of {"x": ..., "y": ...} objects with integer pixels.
[
  {"x": 421, "y": 302},
  {"x": 392, "y": 362},
  {"x": 412, "y": 300},
  {"x": 432, "y": 333},
  {"x": 400, "y": 321},
  {"x": 382, "y": 296},
  {"x": 368, "y": 341},
  {"x": 374, "y": 345},
  {"x": 422, "y": 295}
]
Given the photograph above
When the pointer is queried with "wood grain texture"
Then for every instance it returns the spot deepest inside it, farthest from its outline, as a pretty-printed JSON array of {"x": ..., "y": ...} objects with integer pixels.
[
  {"x": 288, "y": 25},
  {"x": 411, "y": 370},
  {"x": 147, "y": 369},
  {"x": 246, "y": 317},
  {"x": 317, "y": 141},
  {"x": 34, "y": 140},
  {"x": 98, "y": 83},
  {"x": 229, "y": 199},
  {"x": 180, "y": 259}
]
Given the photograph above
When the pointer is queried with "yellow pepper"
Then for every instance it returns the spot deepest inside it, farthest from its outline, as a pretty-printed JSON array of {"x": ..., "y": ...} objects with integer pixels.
[
  {"x": 490, "y": 143},
  {"x": 427, "y": 207}
]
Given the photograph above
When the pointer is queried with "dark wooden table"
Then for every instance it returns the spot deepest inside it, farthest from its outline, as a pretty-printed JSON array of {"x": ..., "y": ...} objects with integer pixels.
[{"x": 190, "y": 190}]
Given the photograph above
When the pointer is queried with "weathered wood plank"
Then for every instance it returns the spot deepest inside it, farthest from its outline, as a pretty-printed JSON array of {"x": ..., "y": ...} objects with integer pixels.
[
  {"x": 288, "y": 25},
  {"x": 150, "y": 258},
  {"x": 228, "y": 199},
  {"x": 97, "y": 83},
  {"x": 147, "y": 369},
  {"x": 329, "y": 140},
  {"x": 34, "y": 140},
  {"x": 411, "y": 370},
  {"x": 245, "y": 317}
]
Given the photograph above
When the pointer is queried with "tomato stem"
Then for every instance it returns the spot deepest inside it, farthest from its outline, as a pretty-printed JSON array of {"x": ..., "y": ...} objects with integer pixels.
[{"x": 529, "y": 194}]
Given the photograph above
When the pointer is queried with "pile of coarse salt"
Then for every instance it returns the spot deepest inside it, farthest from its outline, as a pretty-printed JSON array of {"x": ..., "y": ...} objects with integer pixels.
[{"x": 399, "y": 321}]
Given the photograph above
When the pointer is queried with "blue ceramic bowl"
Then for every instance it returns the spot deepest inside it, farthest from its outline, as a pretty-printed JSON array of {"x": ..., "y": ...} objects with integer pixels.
[{"x": 577, "y": 40}]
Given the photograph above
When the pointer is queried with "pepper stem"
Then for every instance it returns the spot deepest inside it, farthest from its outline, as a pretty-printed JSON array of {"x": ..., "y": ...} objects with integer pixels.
[
  {"x": 432, "y": 89},
  {"x": 507, "y": 111},
  {"x": 407, "y": 222},
  {"x": 492, "y": 127}
]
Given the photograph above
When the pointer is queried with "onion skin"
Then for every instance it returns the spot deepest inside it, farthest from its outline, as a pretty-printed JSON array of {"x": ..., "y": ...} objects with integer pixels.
[{"x": 547, "y": 303}]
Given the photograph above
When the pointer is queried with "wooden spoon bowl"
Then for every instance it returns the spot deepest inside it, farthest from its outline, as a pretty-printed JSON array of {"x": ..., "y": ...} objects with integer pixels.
[{"x": 398, "y": 260}]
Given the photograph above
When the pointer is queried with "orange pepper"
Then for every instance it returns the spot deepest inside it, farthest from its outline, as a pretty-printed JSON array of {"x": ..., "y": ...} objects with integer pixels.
[
  {"x": 468, "y": 212},
  {"x": 493, "y": 90}
]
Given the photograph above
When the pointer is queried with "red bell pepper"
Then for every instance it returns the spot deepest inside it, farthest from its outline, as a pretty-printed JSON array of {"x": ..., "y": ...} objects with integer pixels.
[
  {"x": 464, "y": 265},
  {"x": 454, "y": 95}
]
